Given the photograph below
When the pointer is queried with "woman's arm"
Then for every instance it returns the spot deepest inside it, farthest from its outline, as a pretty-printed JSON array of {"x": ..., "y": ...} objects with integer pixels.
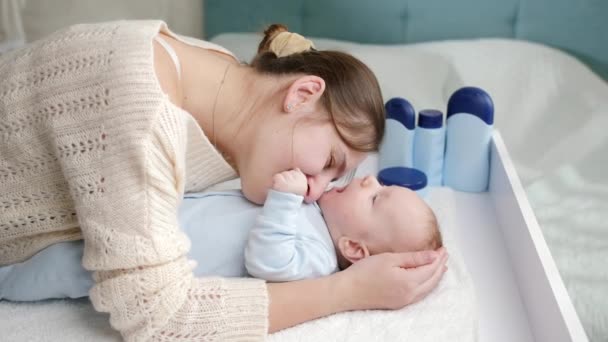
[
  {"x": 383, "y": 281},
  {"x": 135, "y": 248},
  {"x": 276, "y": 249},
  {"x": 296, "y": 302}
]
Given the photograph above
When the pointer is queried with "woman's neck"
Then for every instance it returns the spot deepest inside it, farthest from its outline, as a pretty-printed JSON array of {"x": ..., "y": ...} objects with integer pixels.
[{"x": 220, "y": 94}]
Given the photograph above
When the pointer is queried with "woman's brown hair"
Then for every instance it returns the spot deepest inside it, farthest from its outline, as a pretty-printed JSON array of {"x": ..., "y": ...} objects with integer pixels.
[{"x": 352, "y": 95}]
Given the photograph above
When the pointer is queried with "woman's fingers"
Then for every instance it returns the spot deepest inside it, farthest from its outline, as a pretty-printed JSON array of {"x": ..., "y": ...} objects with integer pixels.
[
  {"x": 393, "y": 280},
  {"x": 427, "y": 286},
  {"x": 421, "y": 274},
  {"x": 417, "y": 259}
]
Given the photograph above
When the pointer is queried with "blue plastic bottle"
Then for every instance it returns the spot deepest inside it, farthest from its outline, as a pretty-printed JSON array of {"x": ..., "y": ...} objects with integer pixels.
[
  {"x": 406, "y": 177},
  {"x": 397, "y": 146},
  {"x": 429, "y": 145},
  {"x": 470, "y": 120}
]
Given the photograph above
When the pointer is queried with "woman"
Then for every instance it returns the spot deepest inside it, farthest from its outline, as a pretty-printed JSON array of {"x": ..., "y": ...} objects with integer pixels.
[{"x": 105, "y": 126}]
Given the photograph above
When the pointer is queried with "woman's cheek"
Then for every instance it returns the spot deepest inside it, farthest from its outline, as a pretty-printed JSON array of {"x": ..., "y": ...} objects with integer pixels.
[
  {"x": 311, "y": 166},
  {"x": 310, "y": 159}
]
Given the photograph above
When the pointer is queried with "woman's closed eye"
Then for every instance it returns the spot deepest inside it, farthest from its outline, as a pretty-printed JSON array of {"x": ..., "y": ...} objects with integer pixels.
[
  {"x": 337, "y": 160},
  {"x": 331, "y": 161}
]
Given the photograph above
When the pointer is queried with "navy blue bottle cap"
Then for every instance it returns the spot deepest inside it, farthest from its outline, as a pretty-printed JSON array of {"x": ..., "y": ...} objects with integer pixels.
[
  {"x": 430, "y": 118},
  {"x": 474, "y": 101},
  {"x": 413, "y": 179},
  {"x": 399, "y": 109}
]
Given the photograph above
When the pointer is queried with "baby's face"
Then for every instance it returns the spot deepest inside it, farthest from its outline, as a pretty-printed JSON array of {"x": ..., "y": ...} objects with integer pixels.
[{"x": 386, "y": 218}]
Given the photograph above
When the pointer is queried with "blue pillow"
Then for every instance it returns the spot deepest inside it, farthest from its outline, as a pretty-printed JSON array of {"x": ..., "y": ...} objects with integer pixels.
[
  {"x": 39, "y": 277},
  {"x": 57, "y": 271}
]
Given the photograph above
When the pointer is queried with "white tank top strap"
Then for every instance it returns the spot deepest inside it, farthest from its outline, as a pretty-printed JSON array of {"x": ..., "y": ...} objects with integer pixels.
[{"x": 171, "y": 53}]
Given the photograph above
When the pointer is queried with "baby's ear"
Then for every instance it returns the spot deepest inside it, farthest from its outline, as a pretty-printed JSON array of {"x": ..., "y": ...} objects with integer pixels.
[{"x": 352, "y": 250}]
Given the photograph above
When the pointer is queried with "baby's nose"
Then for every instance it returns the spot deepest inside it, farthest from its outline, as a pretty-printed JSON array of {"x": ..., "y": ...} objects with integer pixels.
[{"x": 368, "y": 180}]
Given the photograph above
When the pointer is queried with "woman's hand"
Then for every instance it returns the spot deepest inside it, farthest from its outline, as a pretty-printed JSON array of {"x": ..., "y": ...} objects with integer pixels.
[
  {"x": 391, "y": 280},
  {"x": 382, "y": 281}
]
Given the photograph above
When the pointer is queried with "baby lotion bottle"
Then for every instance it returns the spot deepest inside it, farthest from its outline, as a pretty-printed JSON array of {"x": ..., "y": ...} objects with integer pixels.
[
  {"x": 429, "y": 145},
  {"x": 397, "y": 145},
  {"x": 470, "y": 118}
]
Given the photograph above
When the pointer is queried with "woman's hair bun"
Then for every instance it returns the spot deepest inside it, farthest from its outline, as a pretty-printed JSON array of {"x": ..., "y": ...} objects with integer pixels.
[{"x": 281, "y": 42}]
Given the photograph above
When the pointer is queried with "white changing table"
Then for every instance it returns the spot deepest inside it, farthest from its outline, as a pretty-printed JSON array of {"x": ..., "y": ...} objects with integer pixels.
[{"x": 520, "y": 293}]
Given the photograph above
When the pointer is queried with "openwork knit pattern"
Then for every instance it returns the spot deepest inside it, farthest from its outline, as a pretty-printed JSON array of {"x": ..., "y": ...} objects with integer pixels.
[{"x": 90, "y": 148}]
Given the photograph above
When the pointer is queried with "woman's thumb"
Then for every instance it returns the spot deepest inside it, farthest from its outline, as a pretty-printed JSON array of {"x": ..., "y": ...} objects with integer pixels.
[{"x": 416, "y": 259}]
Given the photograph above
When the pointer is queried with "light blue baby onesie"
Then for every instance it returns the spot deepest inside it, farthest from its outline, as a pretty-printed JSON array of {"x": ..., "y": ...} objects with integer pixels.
[{"x": 232, "y": 237}]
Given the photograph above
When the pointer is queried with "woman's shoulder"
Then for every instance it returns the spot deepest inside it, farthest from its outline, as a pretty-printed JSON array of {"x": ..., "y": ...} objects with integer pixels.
[
  {"x": 166, "y": 73},
  {"x": 173, "y": 54},
  {"x": 207, "y": 45}
]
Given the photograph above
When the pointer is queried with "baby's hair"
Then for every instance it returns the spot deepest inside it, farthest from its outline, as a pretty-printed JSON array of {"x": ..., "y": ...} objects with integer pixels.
[{"x": 435, "y": 240}]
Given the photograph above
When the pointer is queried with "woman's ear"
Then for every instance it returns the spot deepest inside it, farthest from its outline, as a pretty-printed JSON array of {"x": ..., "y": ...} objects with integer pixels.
[
  {"x": 352, "y": 250},
  {"x": 303, "y": 94}
]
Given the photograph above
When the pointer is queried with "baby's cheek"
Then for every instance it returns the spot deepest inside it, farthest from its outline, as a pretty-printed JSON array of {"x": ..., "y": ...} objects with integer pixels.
[
  {"x": 333, "y": 216},
  {"x": 350, "y": 221},
  {"x": 357, "y": 222}
]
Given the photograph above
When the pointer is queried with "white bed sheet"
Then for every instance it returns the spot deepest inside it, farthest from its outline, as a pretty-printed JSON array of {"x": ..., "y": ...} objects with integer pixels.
[{"x": 552, "y": 112}]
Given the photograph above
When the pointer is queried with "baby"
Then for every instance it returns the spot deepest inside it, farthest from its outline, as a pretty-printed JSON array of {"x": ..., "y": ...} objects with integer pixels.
[
  {"x": 362, "y": 219},
  {"x": 285, "y": 240}
]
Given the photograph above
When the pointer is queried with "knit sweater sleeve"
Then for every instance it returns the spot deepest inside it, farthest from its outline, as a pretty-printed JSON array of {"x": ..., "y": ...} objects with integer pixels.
[{"x": 137, "y": 252}]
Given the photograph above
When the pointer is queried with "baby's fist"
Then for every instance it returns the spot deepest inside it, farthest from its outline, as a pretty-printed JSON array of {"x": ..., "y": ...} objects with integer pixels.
[{"x": 293, "y": 181}]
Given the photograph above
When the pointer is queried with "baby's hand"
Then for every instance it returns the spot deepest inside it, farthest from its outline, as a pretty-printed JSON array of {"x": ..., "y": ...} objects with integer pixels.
[{"x": 293, "y": 181}]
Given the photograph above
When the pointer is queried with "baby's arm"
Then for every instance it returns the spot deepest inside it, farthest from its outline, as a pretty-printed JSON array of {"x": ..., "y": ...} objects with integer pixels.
[{"x": 275, "y": 251}]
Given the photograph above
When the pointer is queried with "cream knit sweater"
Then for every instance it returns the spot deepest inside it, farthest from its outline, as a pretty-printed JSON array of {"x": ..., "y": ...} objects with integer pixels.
[{"x": 90, "y": 147}]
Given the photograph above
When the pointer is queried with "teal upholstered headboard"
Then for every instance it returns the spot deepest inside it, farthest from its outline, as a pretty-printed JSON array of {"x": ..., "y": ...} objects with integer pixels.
[{"x": 579, "y": 27}]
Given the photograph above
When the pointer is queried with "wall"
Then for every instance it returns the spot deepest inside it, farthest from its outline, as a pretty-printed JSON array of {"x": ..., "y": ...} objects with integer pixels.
[{"x": 41, "y": 17}]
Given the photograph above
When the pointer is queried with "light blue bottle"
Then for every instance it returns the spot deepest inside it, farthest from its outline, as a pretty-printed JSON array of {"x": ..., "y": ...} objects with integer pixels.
[
  {"x": 470, "y": 120},
  {"x": 429, "y": 145},
  {"x": 397, "y": 147}
]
